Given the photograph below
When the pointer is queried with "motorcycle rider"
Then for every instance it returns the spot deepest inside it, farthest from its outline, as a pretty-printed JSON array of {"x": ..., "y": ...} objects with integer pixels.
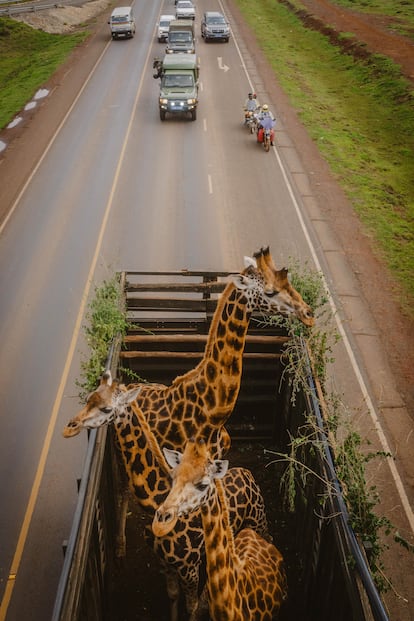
[
  {"x": 250, "y": 106},
  {"x": 265, "y": 120}
]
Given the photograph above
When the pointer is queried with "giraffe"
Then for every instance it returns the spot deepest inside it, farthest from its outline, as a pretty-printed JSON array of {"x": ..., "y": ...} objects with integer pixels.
[
  {"x": 181, "y": 552},
  {"x": 200, "y": 401},
  {"x": 245, "y": 573},
  {"x": 203, "y": 399}
]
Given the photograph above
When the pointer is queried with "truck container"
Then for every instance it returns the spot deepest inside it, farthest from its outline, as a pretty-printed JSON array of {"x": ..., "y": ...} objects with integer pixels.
[
  {"x": 181, "y": 37},
  {"x": 169, "y": 315}
]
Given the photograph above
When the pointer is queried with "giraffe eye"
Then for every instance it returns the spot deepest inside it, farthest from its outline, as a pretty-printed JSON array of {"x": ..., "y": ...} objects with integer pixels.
[
  {"x": 271, "y": 294},
  {"x": 106, "y": 410},
  {"x": 201, "y": 486}
]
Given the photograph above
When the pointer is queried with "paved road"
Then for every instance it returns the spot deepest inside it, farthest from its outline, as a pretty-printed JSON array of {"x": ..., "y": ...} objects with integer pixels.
[{"x": 118, "y": 189}]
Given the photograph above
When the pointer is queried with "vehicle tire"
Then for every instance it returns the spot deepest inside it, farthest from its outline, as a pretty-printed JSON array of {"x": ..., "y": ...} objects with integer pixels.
[
  {"x": 162, "y": 115},
  {"x": 193, "y": 114},
  {"x": 266, "y": 145}
]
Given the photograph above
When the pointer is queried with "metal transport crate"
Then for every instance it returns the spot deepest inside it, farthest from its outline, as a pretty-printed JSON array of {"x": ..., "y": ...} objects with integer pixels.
[{"x": 170, "y": 315}]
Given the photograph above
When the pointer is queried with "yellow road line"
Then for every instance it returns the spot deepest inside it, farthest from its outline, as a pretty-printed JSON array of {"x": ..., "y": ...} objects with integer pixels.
[{"x": 58, "y": 400}]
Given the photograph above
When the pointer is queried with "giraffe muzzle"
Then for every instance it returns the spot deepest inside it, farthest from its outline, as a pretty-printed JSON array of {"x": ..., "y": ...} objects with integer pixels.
[
  {"x": 71, "y": 429},
  {"x": 164, "y": 522}
]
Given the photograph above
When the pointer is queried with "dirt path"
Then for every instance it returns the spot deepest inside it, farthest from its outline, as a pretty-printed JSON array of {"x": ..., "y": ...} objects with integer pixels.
[{"x": 376, "y": 32}]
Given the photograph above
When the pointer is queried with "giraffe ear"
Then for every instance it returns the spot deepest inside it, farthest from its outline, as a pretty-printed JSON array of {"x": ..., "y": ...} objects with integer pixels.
[
  {"x": 173, "y": 458},
  {"x": 240, "y": 281},
  {"x": 129, "y": 395},
  {"x": 250, "y": 262},
  {"x": 220, "y": 467}
]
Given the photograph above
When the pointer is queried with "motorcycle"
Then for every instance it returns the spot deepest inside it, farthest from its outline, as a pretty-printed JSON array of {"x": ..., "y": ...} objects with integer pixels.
[
  {"x": 250, "y": 121},
  {"x": 267, "y": 139},
  {"x": 265, "y": 133}
]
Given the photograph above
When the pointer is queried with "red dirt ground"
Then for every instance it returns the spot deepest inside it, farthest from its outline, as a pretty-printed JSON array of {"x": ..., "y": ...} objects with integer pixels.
[{"x": 376, "y": 33}]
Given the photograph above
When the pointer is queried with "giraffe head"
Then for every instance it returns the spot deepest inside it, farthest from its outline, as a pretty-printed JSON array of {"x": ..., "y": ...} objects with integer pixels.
[
  {"x": 269, "y": 290},
  {"x": 193, "y": 474},
  {"x": 102, "y": 406}
]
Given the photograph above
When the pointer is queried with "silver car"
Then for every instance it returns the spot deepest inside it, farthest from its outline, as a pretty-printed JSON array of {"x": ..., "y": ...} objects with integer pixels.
[
  {"x": 214, "y": 26},
  {"x": 185, "y": 9}
]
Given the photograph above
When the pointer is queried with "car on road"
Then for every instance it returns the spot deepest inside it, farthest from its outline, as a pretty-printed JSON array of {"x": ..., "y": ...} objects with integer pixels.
[
  {"x": 185, "y": 9},
  {"x": 215, "y": 26},
  {"x": 122, "y": 22},
  {"x": 163, "y": 27}
]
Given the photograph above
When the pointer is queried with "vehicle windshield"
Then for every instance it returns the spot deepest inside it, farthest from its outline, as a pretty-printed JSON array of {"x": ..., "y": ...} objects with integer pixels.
[
  {"x": 183, "y": 4},
  {"x": 180, "y": 37},
  {"x": 165, "y": 23},
  {"x": 216, "y": 20},
  {"x": 178, "y": 81},
  {"x": 120, "y": 19}
]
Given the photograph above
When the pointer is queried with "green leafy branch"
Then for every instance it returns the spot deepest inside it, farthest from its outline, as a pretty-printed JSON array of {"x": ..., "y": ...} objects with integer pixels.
[
  {"x": 105, "y": 321},
  {"x": 346, "y": 445}
]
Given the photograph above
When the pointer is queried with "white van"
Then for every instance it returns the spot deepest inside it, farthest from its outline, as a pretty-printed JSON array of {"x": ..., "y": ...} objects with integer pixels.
[
  {"x": 164, "y": 26},
  {"x": 122, "y": 22}
]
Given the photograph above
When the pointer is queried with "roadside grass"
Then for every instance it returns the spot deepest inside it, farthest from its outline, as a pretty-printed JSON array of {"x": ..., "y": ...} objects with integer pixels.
[
  {"x": 361, "y": 115},
  {"x": 28, "y": 58}
]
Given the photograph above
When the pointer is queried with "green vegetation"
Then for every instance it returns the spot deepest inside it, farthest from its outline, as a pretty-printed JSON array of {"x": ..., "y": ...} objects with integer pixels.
[
  {"x": 105, "y": 321},
  {"x": 352, "y": 454},
  {"x": 28, "y": 58},
  {"x": 361, "y": 115}
]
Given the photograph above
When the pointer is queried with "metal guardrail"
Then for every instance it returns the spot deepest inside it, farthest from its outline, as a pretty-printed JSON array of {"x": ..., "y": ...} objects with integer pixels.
[{"x": 33, "y": 7}]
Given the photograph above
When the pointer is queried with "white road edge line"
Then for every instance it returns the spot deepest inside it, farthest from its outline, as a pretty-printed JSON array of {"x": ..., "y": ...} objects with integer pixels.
[{"x": 370, "y": 406}]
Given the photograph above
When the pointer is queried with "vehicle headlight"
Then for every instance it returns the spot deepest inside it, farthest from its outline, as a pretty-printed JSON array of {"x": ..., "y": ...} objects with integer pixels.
[
  {"x": 163, "y": 101},
  {"x": 191, "y": 101},
  {"x": 169, "y": 52}
]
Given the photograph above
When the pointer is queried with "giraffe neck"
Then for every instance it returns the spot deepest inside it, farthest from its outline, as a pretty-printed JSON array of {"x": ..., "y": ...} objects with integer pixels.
[
  {"x": 151, "y": 440},
  {"x": 147, "y": 470},
  {"x": 217, "y": 377},
  {"x": 221, "y": 558}
]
